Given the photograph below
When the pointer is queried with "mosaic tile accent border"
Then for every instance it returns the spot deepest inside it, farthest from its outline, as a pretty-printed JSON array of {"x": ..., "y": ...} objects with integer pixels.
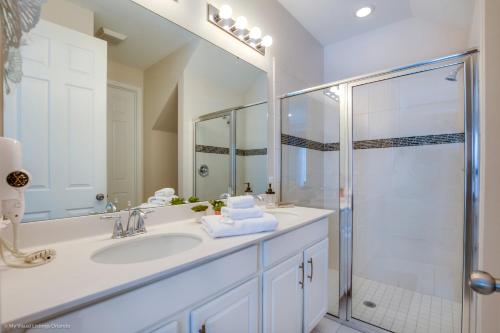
[
  {"x": 411, "y": 141},
  {"x": 212, "y": 150},
  {"x": 251, "y": 152},
  {"x": 408, "y": 141},
  {"x": 225, "y": 151},
  {"x": 295, "y": 141}
]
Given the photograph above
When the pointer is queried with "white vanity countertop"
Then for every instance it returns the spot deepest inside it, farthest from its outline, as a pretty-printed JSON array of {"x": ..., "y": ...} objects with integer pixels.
[{"x": 73, "y": 279}]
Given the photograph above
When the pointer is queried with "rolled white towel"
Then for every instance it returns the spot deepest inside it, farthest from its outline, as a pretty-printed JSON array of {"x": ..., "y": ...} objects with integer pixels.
[
  {"x": 162, "y": 201},
  {"x": 157, "y": 201},
  {"x": 242, "y": 201},
  {"x": 165, "y": 192},
  {"x": 241, "y": 213},
  {"x": 214, "y": 226}
]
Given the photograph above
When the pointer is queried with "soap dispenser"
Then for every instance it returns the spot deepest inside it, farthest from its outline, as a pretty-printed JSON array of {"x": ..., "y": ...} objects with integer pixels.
[
  {"x": 270, "y": 197},
  {"x": 248, "y": 189}
]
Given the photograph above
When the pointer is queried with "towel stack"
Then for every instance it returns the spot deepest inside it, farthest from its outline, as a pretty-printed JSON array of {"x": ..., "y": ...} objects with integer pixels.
[
  {"x": 162, "y": 197},
  {"x": 240, "y": 217}
]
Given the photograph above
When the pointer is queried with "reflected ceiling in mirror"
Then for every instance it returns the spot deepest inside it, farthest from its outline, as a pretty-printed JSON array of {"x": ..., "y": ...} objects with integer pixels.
[{"x": 106, "y": 108}]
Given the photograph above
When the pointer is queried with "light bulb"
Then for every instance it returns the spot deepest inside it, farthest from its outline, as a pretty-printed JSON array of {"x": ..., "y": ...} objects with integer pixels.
[
  {"x": 241, "y": 23},
  {"x": 267, "y": 41},
  {"x": 225, "y": 12},
  {"x": 255, "y": 33},
  {"x": 364, "y": 12}
]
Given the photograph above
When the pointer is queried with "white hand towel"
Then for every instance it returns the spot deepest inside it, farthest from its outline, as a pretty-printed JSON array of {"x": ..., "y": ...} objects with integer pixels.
[
  {"x": 214, "y": 226},
  {"x": 157, "y": 201},
  {"x": 165, "y": 192},
  {"x": 161, "y": 201},
  {"x": 243, "y": 201},
  {"x": 242, "y": 213}
]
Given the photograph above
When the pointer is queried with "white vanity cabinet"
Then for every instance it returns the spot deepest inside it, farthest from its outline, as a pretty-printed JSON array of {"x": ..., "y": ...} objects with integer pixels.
[
  {"x": 172, "y": 327},
  {"x": 282, "y": 297},
  {"x": 315, "y": 284},
  {"x": 235, "y": 311},
  {"x": 275, "y": 285},
  {"x": 295, "y": 290}
]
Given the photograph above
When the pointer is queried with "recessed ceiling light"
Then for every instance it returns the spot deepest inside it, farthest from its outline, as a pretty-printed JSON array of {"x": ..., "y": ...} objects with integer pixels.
[{"x": 364, "y": 11}]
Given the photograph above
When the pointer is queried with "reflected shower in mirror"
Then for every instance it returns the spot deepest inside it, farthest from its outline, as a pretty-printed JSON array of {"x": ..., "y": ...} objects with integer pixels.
[
  {"x": 235, "y": 161},
  {"x": 106, "y": 106}
]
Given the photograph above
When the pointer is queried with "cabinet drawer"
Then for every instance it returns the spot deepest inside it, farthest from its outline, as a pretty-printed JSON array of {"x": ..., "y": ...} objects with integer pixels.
[{"x": 284, "y": 246}]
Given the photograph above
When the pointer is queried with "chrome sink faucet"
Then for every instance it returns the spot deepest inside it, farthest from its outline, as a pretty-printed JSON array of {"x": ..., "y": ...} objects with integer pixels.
[
  {"x": 117, "y": 227},
  {"x": 137, "y": 217},
  {"x": 135, "y": 223}
]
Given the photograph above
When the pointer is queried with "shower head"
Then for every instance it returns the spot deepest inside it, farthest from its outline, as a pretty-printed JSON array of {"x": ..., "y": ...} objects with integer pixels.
[{"x": 452, "y": 77}]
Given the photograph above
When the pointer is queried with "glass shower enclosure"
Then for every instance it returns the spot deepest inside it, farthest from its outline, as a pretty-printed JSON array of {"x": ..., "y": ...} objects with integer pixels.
[
  {"x": 395, "y": 155},
  {"x": 228, "y": 156}
]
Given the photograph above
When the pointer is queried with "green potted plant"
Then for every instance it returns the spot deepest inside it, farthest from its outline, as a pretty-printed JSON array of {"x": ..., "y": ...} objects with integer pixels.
[
  {"x": 217, "y": 206},
  {"x": 177, "y": 201},
  {"x": 193, "y": 199},
  {"x": 199, "y": 211}
]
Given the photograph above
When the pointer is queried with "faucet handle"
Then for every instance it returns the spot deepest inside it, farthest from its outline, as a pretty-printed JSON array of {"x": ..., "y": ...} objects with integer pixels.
[{"x": 117, "y": 227}]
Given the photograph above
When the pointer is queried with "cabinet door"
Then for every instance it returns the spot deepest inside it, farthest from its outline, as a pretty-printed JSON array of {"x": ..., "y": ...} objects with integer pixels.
[
  {"x": 316, "y": 284},
  {"x": 172, "y": 327},
  {"x": 282, "y": 300},
  {"x": 235, "y": 311}
]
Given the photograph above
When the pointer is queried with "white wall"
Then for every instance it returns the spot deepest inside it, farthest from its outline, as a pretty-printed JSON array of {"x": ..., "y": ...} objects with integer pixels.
[
  {"x": 69, "y": 15},
  {"x": 160, "y": 146},
  {"x": 402, "y": 43},
  {"x": 294, "y": 61}
]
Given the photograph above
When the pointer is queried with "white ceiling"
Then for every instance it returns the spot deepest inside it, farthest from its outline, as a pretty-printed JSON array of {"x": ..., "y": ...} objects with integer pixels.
[
  {"x": 330, "y": 21},
  {"x": 150, "y": 37}
]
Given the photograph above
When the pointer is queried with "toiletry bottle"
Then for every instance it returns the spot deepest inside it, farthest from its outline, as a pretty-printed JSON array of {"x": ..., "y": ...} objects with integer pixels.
[
  {"x": 248, "y": 189},
  {"x": 270, "y": 197}
]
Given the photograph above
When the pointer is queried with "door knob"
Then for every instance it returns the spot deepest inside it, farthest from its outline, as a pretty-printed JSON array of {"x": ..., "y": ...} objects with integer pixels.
[
  {"x": 99, "y": 196},
  {"x": 483, "y": 283}
]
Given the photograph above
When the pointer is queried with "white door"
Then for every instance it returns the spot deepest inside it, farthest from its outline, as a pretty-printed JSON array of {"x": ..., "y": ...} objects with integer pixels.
[
  {"x": 58, "y": 113},
  {"x": 316, "y": 284},
  {"x": 283, "y": 297},
  {"x": 233, "y": 312},
  {"x": 123, "y": 107}
]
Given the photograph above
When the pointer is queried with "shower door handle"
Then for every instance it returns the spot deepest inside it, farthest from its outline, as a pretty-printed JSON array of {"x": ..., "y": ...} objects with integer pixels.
[{"x": 483, "y": 283}]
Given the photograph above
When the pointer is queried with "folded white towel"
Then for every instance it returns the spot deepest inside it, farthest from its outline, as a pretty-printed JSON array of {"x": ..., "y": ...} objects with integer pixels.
[
  {"x": 243, "y": 201},
  {"x": 214, "y": 226},
  {"x": 241, "y": 213},
  {"x": 161, "y": 201},
  {"x": 165, "y": 192}
]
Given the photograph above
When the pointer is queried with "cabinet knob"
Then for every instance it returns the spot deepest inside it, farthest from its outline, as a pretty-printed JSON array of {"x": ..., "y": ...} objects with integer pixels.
[{"x": 203, "y": 329}]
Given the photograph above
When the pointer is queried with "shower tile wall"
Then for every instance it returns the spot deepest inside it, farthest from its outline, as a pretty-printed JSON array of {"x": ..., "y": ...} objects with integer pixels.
[
  {"x": 408, "y": 184},
  {"x": 251, "y": 138},
  {"x": 310, "y": 165},
  {"x": 408, "y": 201},
  {"x": 212, "y": 133}
]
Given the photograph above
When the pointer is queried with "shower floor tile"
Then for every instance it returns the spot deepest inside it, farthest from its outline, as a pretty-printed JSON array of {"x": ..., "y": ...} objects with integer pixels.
[{"x": 398, "y": 310}]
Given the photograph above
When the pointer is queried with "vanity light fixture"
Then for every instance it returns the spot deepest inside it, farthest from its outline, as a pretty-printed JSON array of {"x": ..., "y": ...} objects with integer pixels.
[
  {"x": 238, "y": 28},
  {"x": 364, "y": 11}
]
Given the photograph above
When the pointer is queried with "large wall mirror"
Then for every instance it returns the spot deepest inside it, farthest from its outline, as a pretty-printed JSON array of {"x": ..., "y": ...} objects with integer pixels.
[{"x": 113, "y": 109}]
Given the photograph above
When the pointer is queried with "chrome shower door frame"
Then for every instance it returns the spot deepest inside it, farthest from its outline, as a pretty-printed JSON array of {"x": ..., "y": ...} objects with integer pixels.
[{"x": 471, "y": 181}]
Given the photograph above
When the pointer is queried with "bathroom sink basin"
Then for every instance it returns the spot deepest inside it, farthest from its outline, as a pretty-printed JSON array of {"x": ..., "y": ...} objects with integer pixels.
[
  {"x": 282, "y": 215},
  {"x": 145, "y": 249}
]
